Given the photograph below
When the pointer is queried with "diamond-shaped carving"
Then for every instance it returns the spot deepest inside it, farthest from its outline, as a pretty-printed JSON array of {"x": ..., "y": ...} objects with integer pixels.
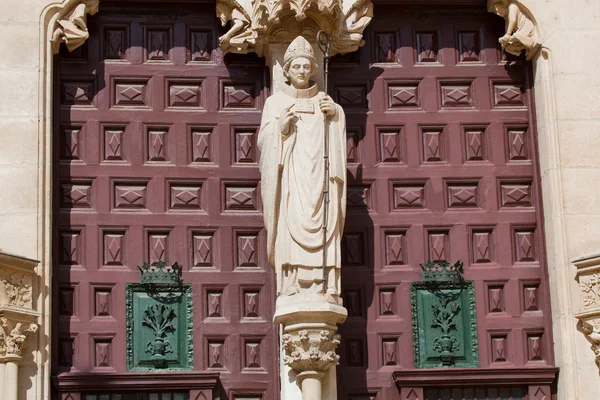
[
  {"x": 352, "y": 303},
  {"x": 201, "y": 148},
  {"x": 214, "y": 299},
  {"x": 65, "y": 301},
  {"x": 408, "y": 196},
  {"x": 353, "y": 250},
  {"x": 385, "y": 45},
  {"x": 499, "y": 349},
  {"x": 352, "y": 96},
  {"x": 252, "y": 352},
  {"x": 185, "y": 94},
  {"x": 475, "y": 145},
  {"x": 389, "y": 347},
  {"x": 130, "y": 94},
  {"x": 158, "y": 45},
  {"x": 469, "y": 46},
  {"x": 496, "y": 299},
  {"x": 438, "y": 246},
  {"x": 157, "y": 143},
  {"x": 245, "y": 147},
  {"x": 387, "y": 301},
  {"x": 203, "y": 254},
  {"x": 102, "y": 302},
  {"x": 77, "y": 93},
  {"x": 525, "y": 246},
  {"x": 389, "y": 141},
  {"x": 516, "y": 195},
  {"x": 427, "y": 47},
  {"x": 531, "y": 297},
  {"x": 130, "y": 196},
  {"x": 241, "y": 198},
  {"x": 433, "y": 150},
  {"x": 76, "y": 195},
  {"x": 200, "y": 45},
  {"x": 246, "y": 250},
  {"x": 186, "y": 197},
  {"x": 113, "y": 138},
  {"x": 69, "y": 248},
  {"x": 395, "y": 249},
  {"x": 157, "y": 247},
  {"x": 517, "y": 145},
  {"x": 403, "y": 96},
  {"x": 103, "y": 352},
  {"x": 508, "y": 96},
  {"x": 238, "y": 96},
  {"x": 352, "y": 139},
  {"x": 70, "y": 148},
  {"x": 462, "y": 196},
  {"x": 534, "y": 347},
  {"x": 216, "y": 358},
  {"x": 456, "y": 95},
  {"x": 481, "y": 247},
  {"x": 115, "y": 44},
  {"x": 251, "y": 304},
  {"x": 113, "y": 248},
  {"x": 359, "y": 197},
  {"x": 354, "y": 352}
]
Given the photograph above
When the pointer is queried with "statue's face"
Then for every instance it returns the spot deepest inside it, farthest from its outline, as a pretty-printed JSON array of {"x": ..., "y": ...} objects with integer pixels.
[
  {"x": 500, "y": 10},
  {"x": 300, "y": 72}
]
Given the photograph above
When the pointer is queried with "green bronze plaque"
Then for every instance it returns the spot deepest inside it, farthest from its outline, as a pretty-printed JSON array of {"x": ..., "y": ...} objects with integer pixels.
[
  {"x": 159, "y": 327},
  {"x": 444, "y": 321}
]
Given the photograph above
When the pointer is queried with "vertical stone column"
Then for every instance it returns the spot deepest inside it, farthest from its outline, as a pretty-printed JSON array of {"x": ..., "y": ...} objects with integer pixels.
[
  {"x": 2, "y": 376},
  {"x": 11, "y": 377}
]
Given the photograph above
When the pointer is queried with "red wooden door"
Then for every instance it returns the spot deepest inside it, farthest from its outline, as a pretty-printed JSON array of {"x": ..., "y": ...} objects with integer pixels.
[
  {"x": 157, "y": 160},
  {"x": 442, "y": 166}
]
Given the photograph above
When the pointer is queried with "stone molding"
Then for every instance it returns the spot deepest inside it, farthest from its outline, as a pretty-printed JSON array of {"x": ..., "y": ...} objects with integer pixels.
[
  {"x": 522, "y": 32},
  {"x": 71, "y": 29},
  {"x": 256, "y": 23},
  {"x": 588, "y": 277}
]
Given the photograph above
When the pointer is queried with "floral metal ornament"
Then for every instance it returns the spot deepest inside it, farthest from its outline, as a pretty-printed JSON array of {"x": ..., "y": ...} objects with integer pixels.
[
  {"x": 443, "y": 311},
  {"x": 159, "y": 320}
]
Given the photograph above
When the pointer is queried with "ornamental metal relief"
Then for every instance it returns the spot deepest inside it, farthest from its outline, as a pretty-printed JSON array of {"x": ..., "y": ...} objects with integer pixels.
[
  {"x": 444, "y": 324},
  {"x": 159, "y": 320}
]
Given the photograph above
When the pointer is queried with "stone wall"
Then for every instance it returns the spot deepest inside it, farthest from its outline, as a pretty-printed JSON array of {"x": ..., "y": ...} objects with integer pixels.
[{"x": 568, "y": 116}]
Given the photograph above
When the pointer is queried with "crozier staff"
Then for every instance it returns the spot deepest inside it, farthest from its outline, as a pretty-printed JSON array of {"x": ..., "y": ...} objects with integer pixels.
[{"x": 291, "y": 141}]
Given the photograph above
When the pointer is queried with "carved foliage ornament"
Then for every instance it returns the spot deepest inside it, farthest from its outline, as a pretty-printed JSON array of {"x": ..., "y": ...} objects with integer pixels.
[
  {"x": 304, "y": 352},
  {"x": 12, "y": 341},
  {"x": 588, "y": 275},
  {"x": 254, "y": 23},
  {"x": 18, "y": 291},
  {"x": 521, "y": 30},
  {"x": 72, "y": 29}
]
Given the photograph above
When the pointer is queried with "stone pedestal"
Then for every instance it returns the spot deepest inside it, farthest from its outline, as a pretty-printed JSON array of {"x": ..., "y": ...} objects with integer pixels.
[{"x": 308, "y": 346}]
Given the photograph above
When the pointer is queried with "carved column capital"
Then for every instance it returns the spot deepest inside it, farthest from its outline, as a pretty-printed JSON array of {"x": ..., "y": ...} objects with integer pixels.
[
  {"x": 588, "y": 276},
  {"x": 310, "y": 349},
  {"x": 13, "y": 336}
]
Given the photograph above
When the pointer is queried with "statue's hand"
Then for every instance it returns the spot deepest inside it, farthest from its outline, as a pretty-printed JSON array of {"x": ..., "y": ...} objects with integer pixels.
[
  {"x": 285, "y": 120},
  {"x": 504, "y": 39},
  {"x": 327, "y": 106}
]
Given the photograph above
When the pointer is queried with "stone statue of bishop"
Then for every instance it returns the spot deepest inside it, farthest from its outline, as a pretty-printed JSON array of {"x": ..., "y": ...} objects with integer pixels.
[{"x": 292, "y": 179}]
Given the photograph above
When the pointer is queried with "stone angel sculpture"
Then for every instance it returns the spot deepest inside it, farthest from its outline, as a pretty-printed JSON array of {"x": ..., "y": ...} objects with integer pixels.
[
  {"x": 521, "y": 32},
  {"x": 240, "y": 36},
  {"x": 291, "y": 142},
  {"x": 73, "y": 30}
]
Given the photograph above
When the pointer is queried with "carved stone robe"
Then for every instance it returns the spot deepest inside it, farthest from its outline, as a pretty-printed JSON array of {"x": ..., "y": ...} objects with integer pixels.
[{"x": 292, "y": 184}]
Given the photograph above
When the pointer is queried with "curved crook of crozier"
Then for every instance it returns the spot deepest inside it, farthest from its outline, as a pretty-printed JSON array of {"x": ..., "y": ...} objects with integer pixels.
[{"x": 521, "y": 32}]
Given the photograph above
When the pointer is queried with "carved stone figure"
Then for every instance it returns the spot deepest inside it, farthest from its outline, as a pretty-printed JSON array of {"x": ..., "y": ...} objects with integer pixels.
[
  {"x": 17, "y": 290},
  {"x": 257, "y": 23},
  {"x": 73, "y": 30},
  {"x": 292, "y": 172},
  {"x": 521, "y": 32},
  {"x": 14, "y": 343},
  {"x": 240, "y": 35}
]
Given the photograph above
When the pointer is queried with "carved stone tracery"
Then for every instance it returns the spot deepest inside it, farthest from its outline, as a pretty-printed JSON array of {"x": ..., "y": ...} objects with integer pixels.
[{"x": 256, "y": 23}]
